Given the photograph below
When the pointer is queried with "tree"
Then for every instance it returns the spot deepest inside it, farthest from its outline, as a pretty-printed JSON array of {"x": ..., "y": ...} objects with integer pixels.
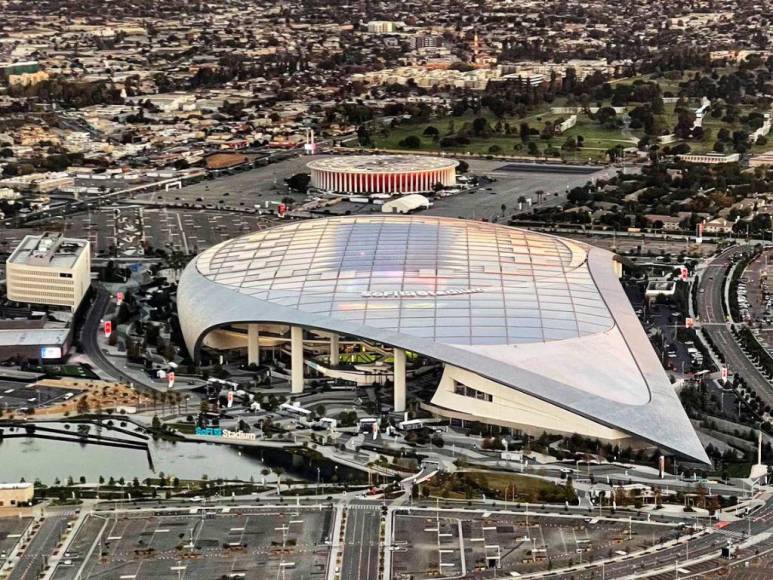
[
  {"x": 524, "y": 132},
  {"x": 605, "y": 114},
  {"x": 480, "y": 126},
  {"x": 363, "y": 136},
  {"x": 410, "y": 142},
  {"x": 83, "y": 405},
  {"x": 299, "y": 182}
]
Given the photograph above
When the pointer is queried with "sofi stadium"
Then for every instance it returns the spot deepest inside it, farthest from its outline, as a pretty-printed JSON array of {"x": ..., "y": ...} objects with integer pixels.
[{"x": 531, "y": 331}]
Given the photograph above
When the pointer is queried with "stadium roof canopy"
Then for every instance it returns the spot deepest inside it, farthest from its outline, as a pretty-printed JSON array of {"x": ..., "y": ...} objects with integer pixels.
[
  {"x": 540, "y": 314},
  {"x": 382, "y": 163}
]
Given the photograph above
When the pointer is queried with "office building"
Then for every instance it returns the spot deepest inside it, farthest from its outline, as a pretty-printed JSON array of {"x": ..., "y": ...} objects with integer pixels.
[{"x": 49, "y": 269}]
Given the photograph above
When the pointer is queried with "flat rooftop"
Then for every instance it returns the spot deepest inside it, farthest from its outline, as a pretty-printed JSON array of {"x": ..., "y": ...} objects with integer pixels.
[
  {"x": 48, "y": 251},
  {"x": 33, "y": 336}
]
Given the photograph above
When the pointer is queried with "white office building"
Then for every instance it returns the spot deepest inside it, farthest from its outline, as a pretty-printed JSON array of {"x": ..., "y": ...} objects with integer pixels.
[{"x": 49, "y": 269}]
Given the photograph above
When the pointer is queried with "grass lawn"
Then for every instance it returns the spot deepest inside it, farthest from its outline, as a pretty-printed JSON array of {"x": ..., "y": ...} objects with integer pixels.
[
  {"x": 711, "y": 126},
  {"x": 473, "y": 484},
  {"x": 597, "y": 139}
]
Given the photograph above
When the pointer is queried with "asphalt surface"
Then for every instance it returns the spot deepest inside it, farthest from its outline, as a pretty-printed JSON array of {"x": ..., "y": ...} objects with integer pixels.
[
  {"x": 91, "y": 345},
  {"x": 361, "y": 548},
  {"x": 514, "y": 181},
  {"x": 710, "y": 298},
  {"x": 759, "y": 522},
  {"x": 33, "y": 561}
]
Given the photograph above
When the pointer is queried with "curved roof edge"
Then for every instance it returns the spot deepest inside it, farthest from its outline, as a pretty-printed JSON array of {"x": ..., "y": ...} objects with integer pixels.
[{"x": 204, "y": 305}]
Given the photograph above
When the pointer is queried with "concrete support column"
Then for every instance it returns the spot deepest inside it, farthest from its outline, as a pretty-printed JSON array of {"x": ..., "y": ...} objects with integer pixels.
[
  {"x": 253, "y": 348},
  {"x": 296, "y": 359},
  {"x": 334, "y": 354},
  {"x": 399, "y": 355}
]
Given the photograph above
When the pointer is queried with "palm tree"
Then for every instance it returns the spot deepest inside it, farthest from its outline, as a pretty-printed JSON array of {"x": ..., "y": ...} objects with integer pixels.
[{"x": 278, "y": 471}]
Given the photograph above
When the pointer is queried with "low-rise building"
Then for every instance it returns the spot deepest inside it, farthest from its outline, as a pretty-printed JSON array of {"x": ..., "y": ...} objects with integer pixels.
[
  {"x": 762, "y": 159},
  {"x": 718, "y": 226},
  {"x": 666, "y": 223},
  {"x": 710, "y": 158},
  {"x": 15, "y": 494}
]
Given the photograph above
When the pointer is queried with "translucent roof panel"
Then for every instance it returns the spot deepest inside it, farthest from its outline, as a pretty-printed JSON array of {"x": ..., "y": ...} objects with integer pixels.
[{"x": 464, "y": 282}]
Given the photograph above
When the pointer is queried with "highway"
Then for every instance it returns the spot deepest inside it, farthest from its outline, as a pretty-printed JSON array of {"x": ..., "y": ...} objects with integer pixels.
[{"x": 710, "y": 297}]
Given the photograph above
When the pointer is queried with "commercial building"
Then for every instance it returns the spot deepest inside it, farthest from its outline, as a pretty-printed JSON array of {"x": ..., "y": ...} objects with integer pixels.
[
  {"x": 710, "y": 158},
  {"x": 49, "y": 269},
  {"x": 382, "y": 173},
  {"x": 16, "y": 494},
  {"x": 382, "y": 26},
  {"x": 532, "y": 331},
  {"x": 34, "y": 341}
]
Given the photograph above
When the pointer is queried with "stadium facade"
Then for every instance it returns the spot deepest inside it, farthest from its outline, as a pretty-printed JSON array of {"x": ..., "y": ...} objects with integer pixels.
[
  {"x": 382, "y": 173},
  {"x": 532, "y": 331}
]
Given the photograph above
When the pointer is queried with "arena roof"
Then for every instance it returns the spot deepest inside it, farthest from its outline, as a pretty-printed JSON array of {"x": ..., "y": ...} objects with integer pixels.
[
  {"x": 538, "y": 313},
  {"x": 381, "y": 163}
]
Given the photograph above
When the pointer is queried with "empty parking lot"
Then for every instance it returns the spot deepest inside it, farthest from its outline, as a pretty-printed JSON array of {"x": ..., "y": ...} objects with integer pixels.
[{"x": 203, "y": 544}]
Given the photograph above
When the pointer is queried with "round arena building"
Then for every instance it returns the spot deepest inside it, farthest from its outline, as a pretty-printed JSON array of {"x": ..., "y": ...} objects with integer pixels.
[{"x": 382, "y": 173}]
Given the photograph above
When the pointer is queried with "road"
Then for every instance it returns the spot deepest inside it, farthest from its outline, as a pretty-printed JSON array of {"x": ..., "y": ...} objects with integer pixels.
[
  {"x": 91, "y": 346},
  {"x": 361, "y": 543},
  {"x": 34, "y": 559},
  {"x": 710, "y": 299}
]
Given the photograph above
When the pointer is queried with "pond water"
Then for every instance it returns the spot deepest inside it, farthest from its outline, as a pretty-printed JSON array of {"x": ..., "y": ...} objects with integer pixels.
[{"x": 34, "y": 458}]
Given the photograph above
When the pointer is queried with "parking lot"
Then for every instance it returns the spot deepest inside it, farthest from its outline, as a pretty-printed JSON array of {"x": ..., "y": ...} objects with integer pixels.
[
  {"x": 11, "y": 531},
  {"x": 15, "y": 395},
  {"x": 203, "y": 544},
  {"x": 446, "y": 544},
  {"x": 239, "y": 190},
  {"x": 202, "y": 214},
  {"x": 511, "y": 182},
  {"x": 132, "y": 230}
]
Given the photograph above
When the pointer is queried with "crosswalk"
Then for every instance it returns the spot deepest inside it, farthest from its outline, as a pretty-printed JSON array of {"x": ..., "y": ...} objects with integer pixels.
[
  {"x": 730, "y": 533},
  {"x": 363, "y": 506}
]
